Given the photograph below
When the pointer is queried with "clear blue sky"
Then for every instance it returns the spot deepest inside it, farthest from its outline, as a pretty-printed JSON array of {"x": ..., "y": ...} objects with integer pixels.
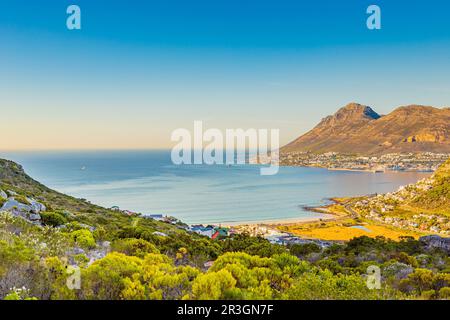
[{"x": 139, "y": 69}]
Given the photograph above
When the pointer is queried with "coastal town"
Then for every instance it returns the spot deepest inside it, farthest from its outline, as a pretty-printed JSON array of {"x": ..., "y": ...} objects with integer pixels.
[
  {"x": 423, "y": 162},
  {"x": 275, "y": 236},
  {"x": 383, "y": 208},
  {"x": 214, "y": 231}
]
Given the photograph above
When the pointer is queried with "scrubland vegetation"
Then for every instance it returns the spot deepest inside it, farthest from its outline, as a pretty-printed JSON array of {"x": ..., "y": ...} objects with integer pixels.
[
  {"x": 36, "y": 259},
  {"x": 130, "y": 257}
]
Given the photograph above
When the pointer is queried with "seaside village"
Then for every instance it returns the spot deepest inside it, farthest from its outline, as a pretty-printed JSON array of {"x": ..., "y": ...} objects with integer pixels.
[
  {"x": 379, "y": 207},
  {"x": 422, "y": 162},
  {"x": 221, "y": 232},
  {"x": 271, "y": 234}
]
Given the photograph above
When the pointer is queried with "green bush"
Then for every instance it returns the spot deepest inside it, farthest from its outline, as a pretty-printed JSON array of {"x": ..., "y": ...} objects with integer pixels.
[
  {"x": 53, "y": 219},
  {"x": 83, "y": 238},
  {"x": 444, "y": 293},
  {"x": 304, "y": 249},
  {"x": 134, "y": 247}
]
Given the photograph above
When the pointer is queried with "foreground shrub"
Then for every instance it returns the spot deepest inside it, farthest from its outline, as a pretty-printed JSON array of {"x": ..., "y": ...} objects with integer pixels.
[
  {"x": 134, "y": 247},
  {"x": 53, "y": 219},
  {"x": 83, "y": 238}
]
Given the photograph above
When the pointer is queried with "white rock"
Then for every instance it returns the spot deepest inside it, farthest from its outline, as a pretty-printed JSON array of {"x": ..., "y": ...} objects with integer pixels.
[
  {"x": 11, "y": 204},
  {"x": 34, "y": 217},
  {"x": 12, "y": 193}
]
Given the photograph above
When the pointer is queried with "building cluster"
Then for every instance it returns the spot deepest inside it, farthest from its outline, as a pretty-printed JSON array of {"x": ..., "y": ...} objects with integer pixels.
[
  {"x": 382, "y": 208},
  {"x": 210, "y": 231},
  {"x": 424, "y": 162},
  {"x": 218, "y": 232},
  {"x": 275, "y": 236}
]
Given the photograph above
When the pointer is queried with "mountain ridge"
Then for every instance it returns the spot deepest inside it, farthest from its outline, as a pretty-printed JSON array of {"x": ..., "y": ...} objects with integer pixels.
[{"x": 357, "y": 128}]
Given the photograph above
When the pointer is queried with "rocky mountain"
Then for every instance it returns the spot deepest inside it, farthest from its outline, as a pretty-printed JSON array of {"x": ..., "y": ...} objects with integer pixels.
[{"x": 358, "y": 129}]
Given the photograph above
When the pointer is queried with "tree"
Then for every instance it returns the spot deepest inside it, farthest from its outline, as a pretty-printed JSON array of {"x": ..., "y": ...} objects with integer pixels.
[
  {"x": 420, "y": 280},
  {"x": 300, "y": 250},
  {"x": 53, "y": 219}
]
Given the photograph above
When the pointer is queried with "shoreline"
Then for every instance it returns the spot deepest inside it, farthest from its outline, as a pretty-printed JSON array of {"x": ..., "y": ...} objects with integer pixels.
[
  {"x": 279, "y": 222},
  {"x": 324, "y": 215},
  {"x": 359, "y": 170}
]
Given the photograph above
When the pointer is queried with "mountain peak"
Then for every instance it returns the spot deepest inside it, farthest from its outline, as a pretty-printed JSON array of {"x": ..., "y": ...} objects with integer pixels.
[
  {"x": 357, "y": 128},
  {"x": 358, "y": 109},
  {"x": 351, "y": 114}
]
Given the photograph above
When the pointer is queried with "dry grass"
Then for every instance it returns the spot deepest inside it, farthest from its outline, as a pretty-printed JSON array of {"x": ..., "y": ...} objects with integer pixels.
[
  {"x": 344, "y": 232},
  {"x": 342, "y": 227}
]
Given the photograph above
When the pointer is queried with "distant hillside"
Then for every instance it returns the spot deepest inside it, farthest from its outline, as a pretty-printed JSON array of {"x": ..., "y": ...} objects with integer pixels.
[
  {"x": 423, "y": 206},
  {"x": 437, "y": 197},
  {"x": 13, "y": 177},
  {"x": 357, "y": 128}
]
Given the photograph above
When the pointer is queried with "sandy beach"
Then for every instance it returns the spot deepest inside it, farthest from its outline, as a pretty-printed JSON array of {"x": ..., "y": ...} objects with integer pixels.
[
  {"x": 279, "y": 222},
  {"x": 323, "y": 214}
]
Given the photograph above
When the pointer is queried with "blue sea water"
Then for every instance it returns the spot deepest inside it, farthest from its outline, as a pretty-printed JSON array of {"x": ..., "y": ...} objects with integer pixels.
[{"x": 148, "y": 182}]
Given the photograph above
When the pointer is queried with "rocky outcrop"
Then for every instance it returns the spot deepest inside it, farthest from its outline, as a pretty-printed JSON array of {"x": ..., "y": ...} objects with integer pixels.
[
  {"x": 29, "y": 211},
  {"x": 12, "y": 204},
  {"x": 437, "y": 242}
]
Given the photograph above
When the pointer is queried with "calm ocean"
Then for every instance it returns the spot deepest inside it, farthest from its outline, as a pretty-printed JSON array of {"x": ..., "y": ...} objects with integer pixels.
[{"x": 147, "y": 182}]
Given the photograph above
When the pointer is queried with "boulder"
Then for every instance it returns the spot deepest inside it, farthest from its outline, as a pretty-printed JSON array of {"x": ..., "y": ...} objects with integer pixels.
[
  {"x": 106, "y": 244},
  {"x": 78, "y": 250},
  {"x": 86, "y": 226},
  {"x": 12, "y": 204},
  {"x": 398, "y": 270},
  {"x": 36, "y": 206},
  {"x": 434, "y": 241},
  {"x": 34, "y": 217}
]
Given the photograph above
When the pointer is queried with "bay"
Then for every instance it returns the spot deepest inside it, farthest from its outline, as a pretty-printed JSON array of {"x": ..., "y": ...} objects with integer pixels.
[{"x": 148, "y": 182}]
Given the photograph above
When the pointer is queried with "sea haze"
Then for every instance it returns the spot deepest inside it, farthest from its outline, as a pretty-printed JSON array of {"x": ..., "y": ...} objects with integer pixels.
[{"x": 148, "y": 182}]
